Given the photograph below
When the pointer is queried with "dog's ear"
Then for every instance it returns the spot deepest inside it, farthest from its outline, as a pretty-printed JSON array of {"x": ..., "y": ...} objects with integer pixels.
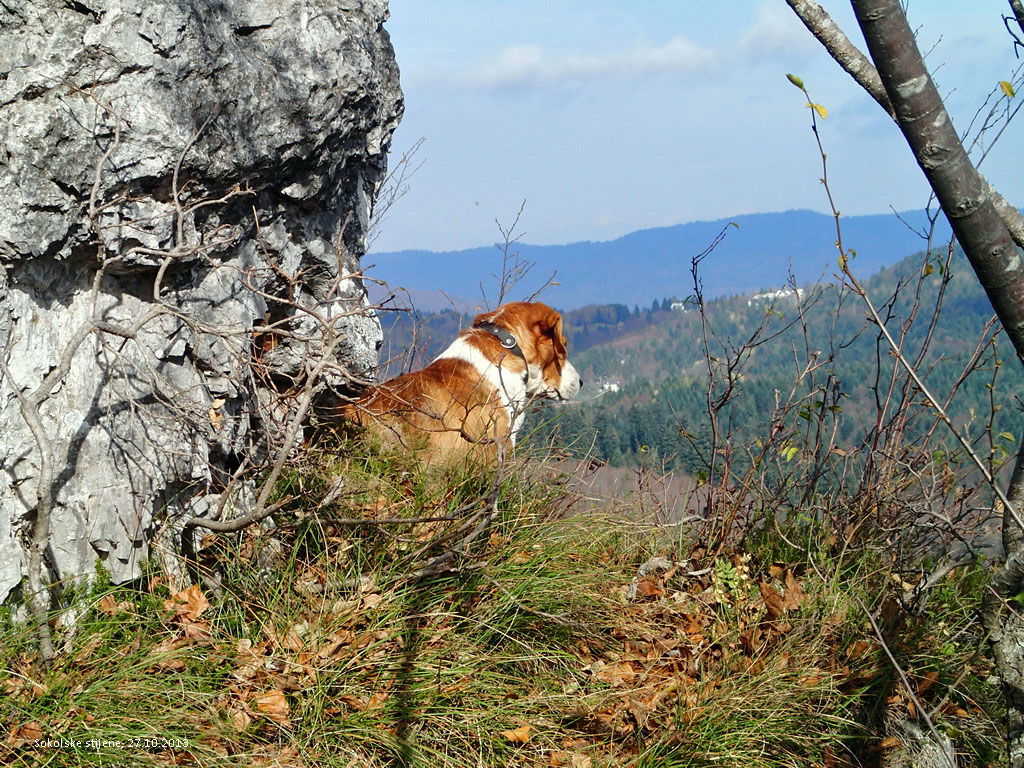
[
  {"x": 551, "y": 326},
  {"x": 486, "y": 317},
  {"x": 558, "y": 334},
  {"x": 561, "y": 342}
]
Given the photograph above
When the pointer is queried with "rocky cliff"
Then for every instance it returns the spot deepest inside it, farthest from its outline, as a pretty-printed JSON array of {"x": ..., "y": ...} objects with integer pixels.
[{"x": 177, "y": 176}]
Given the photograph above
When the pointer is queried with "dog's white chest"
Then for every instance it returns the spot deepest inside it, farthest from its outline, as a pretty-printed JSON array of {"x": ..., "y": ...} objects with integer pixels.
[{"x": 510, "y": 385}]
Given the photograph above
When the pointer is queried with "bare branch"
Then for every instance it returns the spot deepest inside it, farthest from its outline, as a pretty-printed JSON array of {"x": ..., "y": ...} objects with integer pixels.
[
  {"x": 941, "y": 741},
  {"x": 840, "y": 48},
  {"x": 857, "y": 65}
]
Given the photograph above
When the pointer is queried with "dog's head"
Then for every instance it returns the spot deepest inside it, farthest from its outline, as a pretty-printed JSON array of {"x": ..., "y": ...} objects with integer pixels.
[{"x": 538, "y": 330}]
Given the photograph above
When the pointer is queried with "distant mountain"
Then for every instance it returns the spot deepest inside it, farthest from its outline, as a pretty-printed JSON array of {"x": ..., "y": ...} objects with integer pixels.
[{"x": 650, "y": 264}]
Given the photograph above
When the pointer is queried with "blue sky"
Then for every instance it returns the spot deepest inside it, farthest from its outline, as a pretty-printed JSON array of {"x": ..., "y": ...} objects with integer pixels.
[{"x": 607, "y": 117}]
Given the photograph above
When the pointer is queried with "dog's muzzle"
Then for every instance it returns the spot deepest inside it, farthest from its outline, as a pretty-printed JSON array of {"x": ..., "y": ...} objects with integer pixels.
[{"x": 570, "y": 384}]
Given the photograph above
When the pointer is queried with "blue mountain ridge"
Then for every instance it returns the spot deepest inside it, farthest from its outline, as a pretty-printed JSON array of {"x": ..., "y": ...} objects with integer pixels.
[{"x": 637, "y": 268}]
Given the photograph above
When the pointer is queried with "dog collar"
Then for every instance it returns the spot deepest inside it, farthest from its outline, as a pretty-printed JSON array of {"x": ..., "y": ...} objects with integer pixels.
[{"x": 508, "y": 341}]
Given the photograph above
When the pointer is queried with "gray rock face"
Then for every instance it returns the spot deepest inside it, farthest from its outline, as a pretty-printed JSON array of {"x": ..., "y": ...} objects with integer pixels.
[{"x": 196, "y": 161}]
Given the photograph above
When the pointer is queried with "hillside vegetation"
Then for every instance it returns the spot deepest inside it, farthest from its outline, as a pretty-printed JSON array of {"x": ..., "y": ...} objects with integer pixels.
[
  {"x": 813, "y": 602},
  {"x": 552, "y": 640},
  {"x": 660, "y": 412}
]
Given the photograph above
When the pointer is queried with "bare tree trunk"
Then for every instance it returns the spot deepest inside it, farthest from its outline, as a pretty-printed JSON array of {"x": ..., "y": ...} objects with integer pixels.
[{"x": 965, "y": 198}]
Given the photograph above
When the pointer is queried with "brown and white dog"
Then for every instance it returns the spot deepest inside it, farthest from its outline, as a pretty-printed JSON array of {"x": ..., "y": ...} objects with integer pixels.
[{"x": 470, "y": 401}]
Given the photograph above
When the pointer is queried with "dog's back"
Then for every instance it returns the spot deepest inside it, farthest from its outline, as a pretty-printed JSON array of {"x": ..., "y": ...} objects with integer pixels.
[{"x": 445, "y": 412}]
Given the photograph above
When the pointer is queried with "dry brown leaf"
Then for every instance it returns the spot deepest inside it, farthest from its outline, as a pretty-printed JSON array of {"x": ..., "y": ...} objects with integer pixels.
[
  {"x": 569, "y": 743},
  {"x": 750, "y": 639},
  {"x": 344, "y": 607},
  {"x": 29, "y": 732},
  {"x": 189, "y": 603},
  {"x": 273, "y": 705},
  {"x": 196, "y": 630},
  {"x": 352, "y": 702},
  {"x": 794, "y": 596},
  {"x": 240, "y": 719},
  {"x": 278, "y": 757},
  {"x": 649, "y": 586},
  {"x": 170, "y": 665},
  {"x": 108, "y": 604},
  {"x": 335, "y": 642},
  {"x": 772, "y": 600},
  {"x": 163, "y": 657},
  {"x": 289, "y": 640},
  {"x": 520, "y": 735},
  {"x": 558, "y": 758},
  {"x": 889, "y": 742},
  {"x": 858, "y": 648},
  {"x": 695, "y": 623},
  {"x": 216, "y": 419},
  {"x": 928, "y": 679},
  {"x": 617, "y": 674}
]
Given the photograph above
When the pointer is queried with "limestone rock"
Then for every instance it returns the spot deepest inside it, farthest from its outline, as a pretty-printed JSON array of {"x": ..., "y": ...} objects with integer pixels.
[{"x": 209, "y": 156}]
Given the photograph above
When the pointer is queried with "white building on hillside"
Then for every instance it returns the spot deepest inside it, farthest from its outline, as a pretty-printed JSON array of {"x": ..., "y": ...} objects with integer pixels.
[{"x": 771, "y": 297}]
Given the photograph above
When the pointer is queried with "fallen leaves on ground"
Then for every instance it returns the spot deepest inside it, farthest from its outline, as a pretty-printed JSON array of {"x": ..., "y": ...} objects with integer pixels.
[
  {"x": 520, "y": 735},
  {"x": 274, "y": 705}
]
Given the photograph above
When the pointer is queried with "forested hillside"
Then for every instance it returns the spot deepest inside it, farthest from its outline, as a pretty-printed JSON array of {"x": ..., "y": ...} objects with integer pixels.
[{"x": 659, "y": 412}]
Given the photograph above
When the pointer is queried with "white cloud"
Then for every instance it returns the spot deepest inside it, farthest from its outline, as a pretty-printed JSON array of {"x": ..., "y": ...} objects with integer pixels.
[
  {"x": 776, "y": 31},
  {"x": 531, "y": 65}
]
